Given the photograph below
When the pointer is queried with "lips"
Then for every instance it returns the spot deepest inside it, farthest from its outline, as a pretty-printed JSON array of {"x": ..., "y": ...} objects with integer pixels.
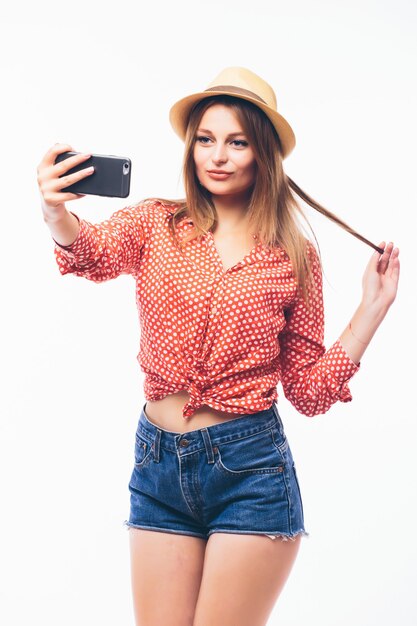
[{"x": 219, "y": 175}]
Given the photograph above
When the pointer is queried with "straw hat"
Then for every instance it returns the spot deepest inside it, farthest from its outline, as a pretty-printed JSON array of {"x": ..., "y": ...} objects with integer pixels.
[{"x": 241, "y": 83}]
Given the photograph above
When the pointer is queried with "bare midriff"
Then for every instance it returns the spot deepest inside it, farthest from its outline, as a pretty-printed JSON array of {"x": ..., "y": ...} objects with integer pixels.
[{"x": 167, "y": 414}]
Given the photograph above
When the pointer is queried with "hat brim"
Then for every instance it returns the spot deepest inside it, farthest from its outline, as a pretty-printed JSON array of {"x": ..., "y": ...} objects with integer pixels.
[{"x": 180, "y": 111}]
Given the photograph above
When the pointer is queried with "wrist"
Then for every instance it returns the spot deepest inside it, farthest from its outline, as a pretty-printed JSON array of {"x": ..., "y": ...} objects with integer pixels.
[
  {"x": 372, "y": 311},
  {"x": 55, "y": 216},
  {"x": 65, "y": 230}
]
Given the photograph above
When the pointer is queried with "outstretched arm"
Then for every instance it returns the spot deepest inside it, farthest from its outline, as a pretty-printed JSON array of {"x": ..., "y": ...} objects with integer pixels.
[
  {"x": 105, "y": 250},
  {"x": 98, "y": 252}
]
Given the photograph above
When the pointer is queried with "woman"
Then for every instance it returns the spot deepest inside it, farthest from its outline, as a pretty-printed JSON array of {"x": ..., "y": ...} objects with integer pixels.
[{"x": 229, "y": 293}]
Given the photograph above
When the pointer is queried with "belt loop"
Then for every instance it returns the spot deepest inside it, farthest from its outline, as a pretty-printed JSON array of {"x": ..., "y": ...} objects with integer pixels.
[
  {"x": 156, "y": 443},
  {"x": 277, "y": 415},
  {"x": 207, "y": 443}
]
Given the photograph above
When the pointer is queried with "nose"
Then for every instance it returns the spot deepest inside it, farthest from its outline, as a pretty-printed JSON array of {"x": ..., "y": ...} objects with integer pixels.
[{"x": 219, "y": 154}]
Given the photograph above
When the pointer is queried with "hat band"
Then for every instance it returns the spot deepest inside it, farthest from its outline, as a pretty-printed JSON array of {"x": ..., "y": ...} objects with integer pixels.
[{"x": 237, "y": 90}]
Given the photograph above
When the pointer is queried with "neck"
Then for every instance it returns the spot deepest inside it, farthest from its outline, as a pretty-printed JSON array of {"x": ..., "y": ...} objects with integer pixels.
[{"x": 231, "y": 211}]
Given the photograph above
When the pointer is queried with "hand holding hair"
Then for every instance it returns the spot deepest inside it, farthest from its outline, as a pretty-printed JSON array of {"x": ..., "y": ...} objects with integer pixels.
[
  {"x": 379, "y": 285},
  {"x": 380, "y": 280}
]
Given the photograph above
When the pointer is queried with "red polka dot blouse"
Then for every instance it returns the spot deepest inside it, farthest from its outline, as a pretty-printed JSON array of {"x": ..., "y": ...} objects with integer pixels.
[{"x": 227, "y": 337}]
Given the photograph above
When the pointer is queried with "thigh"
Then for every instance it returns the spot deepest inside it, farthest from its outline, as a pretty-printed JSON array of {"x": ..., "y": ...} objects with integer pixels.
[
  {"x": 243, "y": 576},
  {"x": 166, "y": 570}
]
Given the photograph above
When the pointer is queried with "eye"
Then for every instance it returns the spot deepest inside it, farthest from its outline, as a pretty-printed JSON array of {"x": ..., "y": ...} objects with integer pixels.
[
  {"x": 201, "y": 139},
  {"x": 238, "y": 142}
]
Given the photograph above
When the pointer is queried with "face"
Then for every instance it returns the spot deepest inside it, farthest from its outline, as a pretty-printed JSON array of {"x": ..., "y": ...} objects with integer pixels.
[{"x": 221, "y": 144}]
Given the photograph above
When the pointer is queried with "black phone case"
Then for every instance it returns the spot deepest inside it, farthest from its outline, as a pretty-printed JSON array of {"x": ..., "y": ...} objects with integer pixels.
[{"x": 111, "y": 176}]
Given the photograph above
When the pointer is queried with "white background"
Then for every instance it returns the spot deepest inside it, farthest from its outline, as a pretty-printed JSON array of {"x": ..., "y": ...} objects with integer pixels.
[{"x": 102, "y": 76}]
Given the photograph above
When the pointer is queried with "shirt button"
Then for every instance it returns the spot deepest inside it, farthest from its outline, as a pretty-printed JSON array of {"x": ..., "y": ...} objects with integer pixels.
[{"x": 214, "y": 309}]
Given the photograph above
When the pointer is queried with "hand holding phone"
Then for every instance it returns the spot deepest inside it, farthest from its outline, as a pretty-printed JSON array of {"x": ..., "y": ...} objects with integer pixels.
[
  {"x": 63, "y": 176},
  {"x": 111, "y": 175},
  {"x": 51, "y": 181}
]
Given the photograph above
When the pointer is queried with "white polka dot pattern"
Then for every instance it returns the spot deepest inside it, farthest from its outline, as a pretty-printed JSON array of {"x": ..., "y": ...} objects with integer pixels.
[
  {"x": 312, "y": 378},
  {"x": 227, "y": 337}
]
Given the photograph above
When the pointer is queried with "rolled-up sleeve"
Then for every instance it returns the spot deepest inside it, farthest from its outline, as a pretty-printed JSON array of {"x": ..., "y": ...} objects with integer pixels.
[
  {"x": 105, "y": 250},
  {"x": 312, "y": 378}
]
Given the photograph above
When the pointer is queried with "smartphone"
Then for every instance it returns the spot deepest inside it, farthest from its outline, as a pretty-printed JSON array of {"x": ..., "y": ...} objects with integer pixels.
[{"x": 111, "y": 176}]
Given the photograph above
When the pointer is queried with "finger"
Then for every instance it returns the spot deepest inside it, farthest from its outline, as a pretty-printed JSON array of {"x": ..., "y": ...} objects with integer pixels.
[
  {"x": 63, "y": 166},
  {"x": 56, "y": 184},
  {"x": 61, "y": 197},
  {"x": 50, "y": 156},
  {"x": 385, "y": 258},
  {"x": 375, "y": 258},
  {"x": 394, "y": 264},
  {"x": 395, "y": 272}
]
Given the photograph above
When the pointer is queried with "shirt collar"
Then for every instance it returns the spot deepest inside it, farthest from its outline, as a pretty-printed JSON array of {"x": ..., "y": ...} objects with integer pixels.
[{"x": 259, "y": 252}]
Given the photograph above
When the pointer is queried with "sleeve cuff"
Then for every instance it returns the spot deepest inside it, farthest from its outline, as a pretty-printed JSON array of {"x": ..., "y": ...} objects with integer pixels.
[
  {"x": 79, "y": 252},
  {"x": 70, "y": 248},
  {"x": 341, "y": 368}
]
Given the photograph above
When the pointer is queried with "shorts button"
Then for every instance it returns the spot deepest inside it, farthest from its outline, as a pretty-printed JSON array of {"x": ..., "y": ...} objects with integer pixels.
[
  {"x": 215, "y": 449},
  {"x": 184, "y": 443},
  {"x": 280, "y": 469}
]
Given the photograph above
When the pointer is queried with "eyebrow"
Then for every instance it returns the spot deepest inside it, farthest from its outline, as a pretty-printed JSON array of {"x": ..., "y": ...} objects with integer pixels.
[{"x": 205, "y": 130}]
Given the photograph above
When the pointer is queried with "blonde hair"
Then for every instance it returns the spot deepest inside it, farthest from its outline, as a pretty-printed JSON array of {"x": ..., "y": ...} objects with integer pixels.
[{"x": 273, "y": 211}]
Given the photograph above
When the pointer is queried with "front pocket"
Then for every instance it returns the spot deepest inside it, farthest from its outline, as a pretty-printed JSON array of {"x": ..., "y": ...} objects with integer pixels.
[
  {"x": 143, "y": 451},
  {"x": 256, "y": 454}
]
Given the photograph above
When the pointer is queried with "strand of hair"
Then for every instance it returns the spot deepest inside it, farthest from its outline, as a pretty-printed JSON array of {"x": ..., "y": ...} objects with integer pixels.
[{"x": 330, "y": 215}]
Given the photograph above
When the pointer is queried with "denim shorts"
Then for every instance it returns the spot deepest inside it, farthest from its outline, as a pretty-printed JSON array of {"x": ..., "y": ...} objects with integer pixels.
[{"x": 234, "y": 477}]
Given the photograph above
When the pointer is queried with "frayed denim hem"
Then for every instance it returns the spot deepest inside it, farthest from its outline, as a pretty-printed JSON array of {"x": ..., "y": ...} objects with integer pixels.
[
  {"x": 128, "y": 525},
  {"x": 289, "y": 537},
  {"x": 282, "y": 536}
]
